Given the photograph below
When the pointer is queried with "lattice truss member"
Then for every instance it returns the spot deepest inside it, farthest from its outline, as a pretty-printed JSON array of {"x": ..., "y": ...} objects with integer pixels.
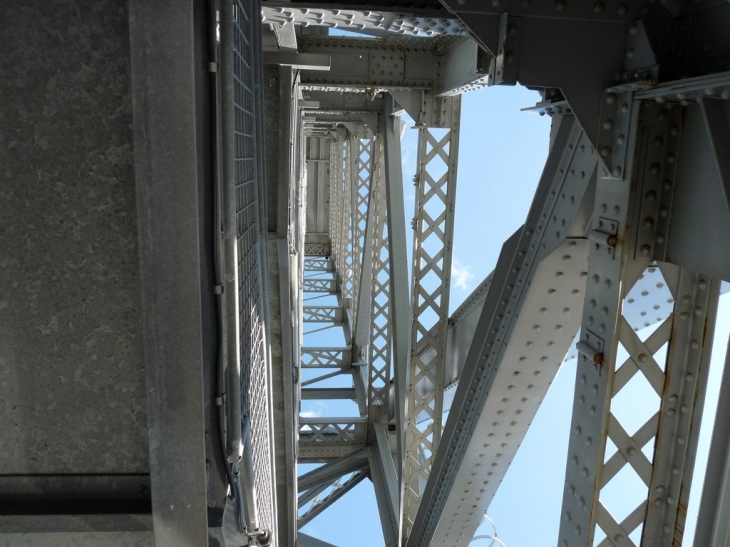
[
  {"x": 433, "y": 227},
  {"x": 649, "y": 456}
]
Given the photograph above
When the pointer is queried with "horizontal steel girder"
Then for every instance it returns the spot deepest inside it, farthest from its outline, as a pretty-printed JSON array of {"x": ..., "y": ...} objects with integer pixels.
[{"x": 445, "y": 66}]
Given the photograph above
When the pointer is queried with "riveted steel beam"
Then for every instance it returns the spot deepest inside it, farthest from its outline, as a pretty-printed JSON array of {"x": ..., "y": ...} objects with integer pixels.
[
  {"x": 445, "y": 66},
  {"x": 331, "y": 471},
  {"x": 513, "y": 356},
  {"x": 385, "y": 481}
]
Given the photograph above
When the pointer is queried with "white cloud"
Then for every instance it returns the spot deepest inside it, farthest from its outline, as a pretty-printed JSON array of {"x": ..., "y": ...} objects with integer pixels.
[
  {"x": 460, "y": 274},
  {"x": 316, "y": 409}
]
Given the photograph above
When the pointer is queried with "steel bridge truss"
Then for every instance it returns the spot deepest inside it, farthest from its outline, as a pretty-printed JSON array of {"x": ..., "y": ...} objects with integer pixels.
[{"x": 614, "y": 218}]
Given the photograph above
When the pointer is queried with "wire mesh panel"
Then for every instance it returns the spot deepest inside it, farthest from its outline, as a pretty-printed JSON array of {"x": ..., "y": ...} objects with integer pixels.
[{"x": 255, "y": 368}]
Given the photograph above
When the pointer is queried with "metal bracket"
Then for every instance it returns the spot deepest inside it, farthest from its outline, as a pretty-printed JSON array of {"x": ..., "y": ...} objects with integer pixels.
[
  {"x": 605, "y": 236},
  {"x": 636, "y": 80},
  {"x": 591, "y": 349}
]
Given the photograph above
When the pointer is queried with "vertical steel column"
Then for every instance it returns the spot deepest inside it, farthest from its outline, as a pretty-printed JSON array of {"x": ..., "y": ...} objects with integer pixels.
[
  {"x": 380, "y": 322},
  {"x": 362, "y": 174},
  {"x": 432, "y": 248},
  {"x": 688, "y": 358},
  {"x": 385, "y": 482},
  {"x": 163, "y": 65},
  {"x": 608, "y": 276},
  {"x": 399, "y": 307},
  {"x": 617, "y": 260},
  {"x": 713, "y": 521}
]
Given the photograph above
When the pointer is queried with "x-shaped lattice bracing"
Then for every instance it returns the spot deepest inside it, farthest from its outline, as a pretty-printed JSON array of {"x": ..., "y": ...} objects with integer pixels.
[
  {"x": 317, "y": 264},
  {"x": 642, "y": 360},
  {"x": 310, "y": 284},
  {"x": 380, "y": 327},
  {"x": 325, "y": 357},
  {"x": 363, "y": 174},
  {"x": 322, "y": 314},
  {"x": 433, "y": 232},
  {"x": 327, "y": 432},
  {"x": 629, "y": 447}
]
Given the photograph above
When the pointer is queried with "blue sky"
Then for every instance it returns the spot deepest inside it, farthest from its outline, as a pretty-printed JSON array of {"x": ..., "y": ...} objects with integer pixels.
[{"x": 502, "y": 154}]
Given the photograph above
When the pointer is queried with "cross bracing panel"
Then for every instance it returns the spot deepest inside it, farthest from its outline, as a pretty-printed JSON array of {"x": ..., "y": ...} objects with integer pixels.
[
  {"x": 379, "y": 365},
  {"x": 327, "y": 357},
  {"x": 612, "y": 354},
  {"x": 322, "y": 314},
  {"x": 362, "y": 162},
  {"x": 312, "y": 264},
  {"x": 316, "y": 285},
  {"x": 332, "y": 430},
  {"x": 433, "y": 232},
  {"x": 675, "y": 373}
]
